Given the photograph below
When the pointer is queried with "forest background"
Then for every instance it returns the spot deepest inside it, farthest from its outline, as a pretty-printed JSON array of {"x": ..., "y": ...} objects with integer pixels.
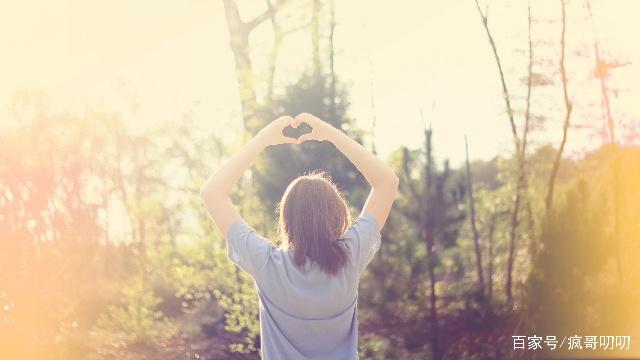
[{"x": 514, "y": 128}]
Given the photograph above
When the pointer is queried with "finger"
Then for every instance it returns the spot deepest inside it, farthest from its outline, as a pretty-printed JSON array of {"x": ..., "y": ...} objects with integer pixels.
[
  {"x": 301, "y": 116},
  {"x": 289, "y": 140},
  {"x": 284, "y": 120},
  {"x": 293, "y": 123},
  {"x": 306, "y": 137}
]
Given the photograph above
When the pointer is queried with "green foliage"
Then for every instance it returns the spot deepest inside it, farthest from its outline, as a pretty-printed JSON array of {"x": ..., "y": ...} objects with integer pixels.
[
  {"x": 427, "y": 214},
  {"x": 106, "y": 251},
  {"x": 242, "y": 314},
  {"x": 373, "y": 347},
  {"x": 280, "y": 165},
  {"x": 574, "y": 251},
  {"x": 137, "y": 318}
]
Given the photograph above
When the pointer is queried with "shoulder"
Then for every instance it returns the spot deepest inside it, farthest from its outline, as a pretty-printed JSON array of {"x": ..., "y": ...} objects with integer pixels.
[{"x": 365, "y": 224}]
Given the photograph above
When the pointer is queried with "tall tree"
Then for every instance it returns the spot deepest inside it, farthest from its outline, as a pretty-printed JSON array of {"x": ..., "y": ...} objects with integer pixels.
[
  {"x": 520, "y": 146},
  {"x": 436, "y": 215},
  {"x": 602, "y": 72},
  {"x": 316, "y": 7},
  {"x": 372, "y": 105},
  {"x": 505, "y": 91},
  {"x": 521, "y": 153},
  {"x": 472, "y": 220},
  {"x": 239, "y": 32},
  {"x": 567, "y": 117},
  {"x": 332, "y": 60},
  {"x": 278, "y": 36}
]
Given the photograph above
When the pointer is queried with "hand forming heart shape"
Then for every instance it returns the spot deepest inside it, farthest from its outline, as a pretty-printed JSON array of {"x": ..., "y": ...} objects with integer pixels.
[
  {"x": 320, "y": 130},
  {"x": 274, "y": 132}
]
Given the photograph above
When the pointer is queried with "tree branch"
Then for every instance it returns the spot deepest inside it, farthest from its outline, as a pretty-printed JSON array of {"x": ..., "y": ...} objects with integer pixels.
[
  {"x": 505, "y": 91},
  {"x": 251, "y": 24},
  {"x": 567, "y": 118},
  {"x": 267, "y": 14}
]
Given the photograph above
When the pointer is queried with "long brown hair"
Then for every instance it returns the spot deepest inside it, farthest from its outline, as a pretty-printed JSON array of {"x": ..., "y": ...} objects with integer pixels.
[{"x": 313, "y": 215}]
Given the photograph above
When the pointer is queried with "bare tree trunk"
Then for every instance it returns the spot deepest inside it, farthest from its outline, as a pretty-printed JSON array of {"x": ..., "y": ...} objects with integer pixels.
[
  {"x": 332, "y": 56},
  {"x": 507, "y": 97},
  {"x": 601, "y": 72},
  {"x": 491, "y": 231},
  {"x": 522, "y": 176},
  {"x": 278, "y": 35},
  {"x": 435, "y": 339},
  {"x": 512, "y": 244},
  {"x": 567, "y": 117},
  {"x": 138, "y": 196},
  {"x": 533, "y": 246},
  {"x": 239, "y": 41},
  {"x": 315, "y": 37},
  {"x": 472, "y": 218},
  {"x": 373, "y": 109},
  {"x": 430, "y": 242},
  {"x": 171, "y": 230},
  {"x": 516, "y": 142}
]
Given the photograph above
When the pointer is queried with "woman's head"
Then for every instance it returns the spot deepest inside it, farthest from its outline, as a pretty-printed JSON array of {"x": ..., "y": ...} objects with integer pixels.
[{"x": 313, "y": 215}]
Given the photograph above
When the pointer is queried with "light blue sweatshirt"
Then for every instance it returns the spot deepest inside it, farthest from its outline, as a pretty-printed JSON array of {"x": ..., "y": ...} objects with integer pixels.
[{"x": 304, "y": 312}]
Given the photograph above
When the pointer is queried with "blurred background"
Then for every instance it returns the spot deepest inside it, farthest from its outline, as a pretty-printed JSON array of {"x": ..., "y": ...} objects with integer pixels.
[{"x": 514, "y": 127}]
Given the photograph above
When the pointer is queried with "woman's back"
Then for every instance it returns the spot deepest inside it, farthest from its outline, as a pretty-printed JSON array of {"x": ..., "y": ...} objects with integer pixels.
[
  {"x": 305, "y": 313},
  {"x": 308, "y": 296}
]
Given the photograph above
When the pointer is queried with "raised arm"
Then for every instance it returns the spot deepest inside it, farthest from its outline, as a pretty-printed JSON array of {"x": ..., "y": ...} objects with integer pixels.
[
  {"x": 216, "y": 190},
  {"x": 383, "y": 181}
]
